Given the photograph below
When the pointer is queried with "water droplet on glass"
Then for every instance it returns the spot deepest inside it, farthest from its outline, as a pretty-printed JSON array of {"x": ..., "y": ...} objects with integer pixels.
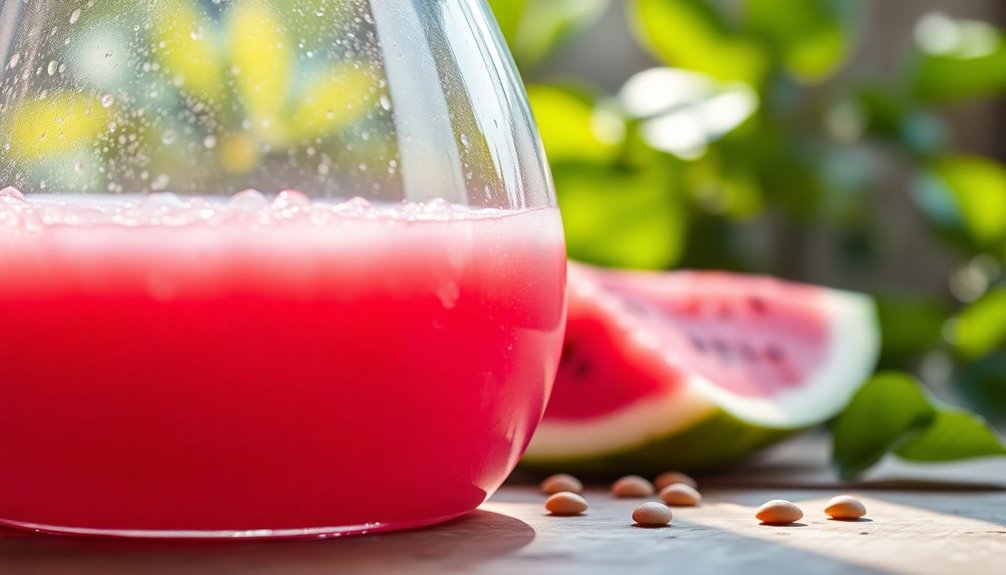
[
  {"x": 168, "y": 137},
  {"x": 385, "y": 102},
  {"x": 465, "y": 141},
  {"x": 197, "y": 33},
  {"x": 107, "y": 100},
  {"x": 210, "y": 142},
  {"x": 51, "y": 68},
  {"x": 75, "y": 16},
  {"x": 78, "y": 166},
  {"x": 14, "y": 60}
]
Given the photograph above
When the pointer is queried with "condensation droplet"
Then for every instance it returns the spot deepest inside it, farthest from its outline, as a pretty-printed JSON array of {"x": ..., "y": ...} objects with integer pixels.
[
  {"x": 210, "y": 142},
  {"x": 385, "y": 102},
  {"x": 78, "y": 166},
  {"x": 465, "y": 141},
  {"x": 51, "y": 68},
  {"x": 14, "y": 60},
  {"x": 75, "y": 16},
  {"x": 107, "y": 100},
  {"x": 168, "y": 137}
]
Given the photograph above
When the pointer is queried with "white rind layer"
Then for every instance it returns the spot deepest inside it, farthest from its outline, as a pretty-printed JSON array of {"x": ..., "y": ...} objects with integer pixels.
[{"x": 851, "y": 354}]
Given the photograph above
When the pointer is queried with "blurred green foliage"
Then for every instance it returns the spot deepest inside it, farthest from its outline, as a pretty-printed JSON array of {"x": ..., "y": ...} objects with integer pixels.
[{"x": 752, "y": 118}]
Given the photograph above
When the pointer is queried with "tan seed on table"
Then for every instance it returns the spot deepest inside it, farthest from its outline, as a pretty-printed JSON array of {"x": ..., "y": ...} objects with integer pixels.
[
  {"x": 680, "y": 494},
  {"x": 779, "y": 512},
  {"x": 632, "y": 486},
  {"x": 652, "y": 514},
  {"x": 845, "y": 507},
  {"x": 565, "y": 503},
  {"x": 561, "y": 482},
  {"x": 671, "y": 477}
]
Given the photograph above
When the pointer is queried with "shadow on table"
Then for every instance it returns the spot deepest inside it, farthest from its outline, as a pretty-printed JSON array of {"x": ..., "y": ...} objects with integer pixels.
[{"x": 467, "y": 541}]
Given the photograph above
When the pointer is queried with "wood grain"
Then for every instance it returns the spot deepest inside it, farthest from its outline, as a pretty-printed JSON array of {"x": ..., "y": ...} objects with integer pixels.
[{"x": 906, "y": 532}]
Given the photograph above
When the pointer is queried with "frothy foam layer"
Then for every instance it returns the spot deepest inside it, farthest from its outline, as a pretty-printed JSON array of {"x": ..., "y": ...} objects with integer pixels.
[{"x": 249, "y": 207}]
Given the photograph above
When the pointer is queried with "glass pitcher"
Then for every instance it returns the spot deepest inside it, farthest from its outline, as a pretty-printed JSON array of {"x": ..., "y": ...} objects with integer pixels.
[{"x": 268, "y": 268}]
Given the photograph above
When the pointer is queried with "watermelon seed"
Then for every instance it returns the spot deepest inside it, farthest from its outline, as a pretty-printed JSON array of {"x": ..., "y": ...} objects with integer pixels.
[
  {"x": 568, "y": 350},
  {"x": 565, "y": 503},
  {"x": 779, "y": 512},
  {"x": 748, "y": 352},
  {"x": 774, "y": 354},
  {"x": 698, "y": 344},
  {"x": 632, "y": 486},
  {"x": 844, "y": 507},
  {"x": 671, "y": 477},
  {"x": 652, "y": 514},
  {"x": 680, "y": 494},
  {"x": 723, "y": 350},
  {"x": 561, "y": 482}
]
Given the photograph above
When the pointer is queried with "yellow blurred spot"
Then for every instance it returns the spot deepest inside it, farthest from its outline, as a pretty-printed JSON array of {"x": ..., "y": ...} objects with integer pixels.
[
  {"x": 261, "y": 58},
  {"x": 569, "y": 127},
  {"x": 60, "y": 123},
  {"x": 333, "y": 100},
  {"x": 184, "y": 47},
  {"x": 238, "y": 153}
]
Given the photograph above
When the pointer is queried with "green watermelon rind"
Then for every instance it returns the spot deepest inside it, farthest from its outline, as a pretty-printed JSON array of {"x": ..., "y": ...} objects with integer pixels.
[{"x": 687, "y": 450}]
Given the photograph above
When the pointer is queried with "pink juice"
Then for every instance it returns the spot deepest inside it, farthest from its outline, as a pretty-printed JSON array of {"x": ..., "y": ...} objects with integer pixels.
[{"x": 177, "y": 365}]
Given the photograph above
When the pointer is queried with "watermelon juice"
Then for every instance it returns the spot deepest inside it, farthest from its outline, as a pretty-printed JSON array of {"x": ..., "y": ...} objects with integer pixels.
[{"x": 194, "y": 367}]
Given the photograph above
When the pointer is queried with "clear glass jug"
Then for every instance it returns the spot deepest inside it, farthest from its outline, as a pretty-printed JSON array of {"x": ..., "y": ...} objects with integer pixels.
[{"x": 267, "y": 268}]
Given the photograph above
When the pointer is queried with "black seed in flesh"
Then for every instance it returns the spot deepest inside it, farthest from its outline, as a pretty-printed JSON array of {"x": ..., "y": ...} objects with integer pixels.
[
  {"x": 723, "y": 351},
  {"x": 748, "y": 352},
  {"x": 568, "y": 351},
  {"x": 773, "y": 354},
  {"x": 698, "y": 344}
]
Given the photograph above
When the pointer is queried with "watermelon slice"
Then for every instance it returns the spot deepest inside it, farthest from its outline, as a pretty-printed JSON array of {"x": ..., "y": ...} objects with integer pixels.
[{"x": 690, "y": 370}]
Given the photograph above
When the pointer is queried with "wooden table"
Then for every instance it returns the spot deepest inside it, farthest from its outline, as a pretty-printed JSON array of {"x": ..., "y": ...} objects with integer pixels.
[{"x": 951, "y": 528}]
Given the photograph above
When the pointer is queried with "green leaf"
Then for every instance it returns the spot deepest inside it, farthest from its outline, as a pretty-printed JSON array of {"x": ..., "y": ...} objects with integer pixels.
[
  {"x": 508, "y": 16},
  {"x": 570, "y": 128},
  {"x": 188, "y": 50},
  {"x": 883, "y": 411},
  {"x": 981, "y": 327},
  {"x": 813, "y": 37},
  {"x": 620, "y": 218},
  {"x": 690, "y": 34},
  {"x": 682, "y": 112},
  {"x": 534, "y": 29},
  {"x": 965, "y": 195},
  {"x": 953, "y": 435},
  {"x": 958, "y": 59},
  {"x": 909, "y": 326}
]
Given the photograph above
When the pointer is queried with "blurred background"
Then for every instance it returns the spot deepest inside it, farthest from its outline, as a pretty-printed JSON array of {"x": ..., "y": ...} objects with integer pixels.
[{"x": 841, "y": 142}]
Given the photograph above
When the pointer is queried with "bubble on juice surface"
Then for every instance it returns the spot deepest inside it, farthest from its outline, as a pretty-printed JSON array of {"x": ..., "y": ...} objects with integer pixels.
[
  {"x": 10, "y": 193},
  {"x": 248, "y": 200}
]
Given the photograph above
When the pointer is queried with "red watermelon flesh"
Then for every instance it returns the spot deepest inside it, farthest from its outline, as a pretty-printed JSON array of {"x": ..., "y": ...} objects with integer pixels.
[{"x": 652, "y": 354}]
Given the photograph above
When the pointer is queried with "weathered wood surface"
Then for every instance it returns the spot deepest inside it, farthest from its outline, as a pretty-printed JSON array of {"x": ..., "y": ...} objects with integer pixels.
[
  {"x": 934, "y": 528},
  {"x": 907, "y": 532}
]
